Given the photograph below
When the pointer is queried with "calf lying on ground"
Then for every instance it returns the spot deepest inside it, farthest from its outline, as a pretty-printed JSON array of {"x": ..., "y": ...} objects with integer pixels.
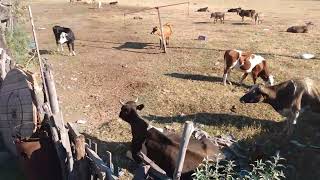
[
  {"x": 300, "y": 29},
  {"x": 64, "y": 35},
  {"x": 237, "y": 10},
  {"x": 167, "y": 32},
  {"x": 247, "y": 63},
  {"x": 289, "y": 98},
  {"x": 246, "y": 13},
  {"x": 218, "y": 15},
  {"x": 161, "y": 148}
]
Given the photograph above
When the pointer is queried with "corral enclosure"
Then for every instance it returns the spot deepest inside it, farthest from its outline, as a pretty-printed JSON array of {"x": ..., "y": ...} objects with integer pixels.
[{"x": 115, "y": 61}]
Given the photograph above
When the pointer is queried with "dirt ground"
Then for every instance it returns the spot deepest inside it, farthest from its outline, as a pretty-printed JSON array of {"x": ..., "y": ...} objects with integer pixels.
[{"x": 118, "y": 58}]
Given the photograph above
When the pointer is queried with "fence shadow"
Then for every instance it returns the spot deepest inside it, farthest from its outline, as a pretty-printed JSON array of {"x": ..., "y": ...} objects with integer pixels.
[
  {"x": 196, "y": 48},
  {"x": 136, "y": 47},
  {"x": 215, "y": 119},
  {"x": 241, "y": 23},
  {"x": 199, "y": 77},
  {"x": 202, "y": 22}
]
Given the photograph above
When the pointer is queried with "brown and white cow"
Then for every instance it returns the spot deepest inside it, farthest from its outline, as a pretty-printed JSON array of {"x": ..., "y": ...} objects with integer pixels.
[
  {"x": 167, "y": 32},
  {"x": 247, "y": 63},
  {"x": 289, "y": 98},
  {"x": 163, "y": 149}
]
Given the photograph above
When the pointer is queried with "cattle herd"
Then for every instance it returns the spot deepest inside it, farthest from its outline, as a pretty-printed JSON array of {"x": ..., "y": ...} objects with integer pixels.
[{"x": 289, "y": 98}]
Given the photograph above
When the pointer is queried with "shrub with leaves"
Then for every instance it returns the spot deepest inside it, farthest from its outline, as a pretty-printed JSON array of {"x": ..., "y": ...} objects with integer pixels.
[
  {"x": 20, "y": 9},
  {"x": 17, "y": 42},
  {"x": 225, "y": 170}
]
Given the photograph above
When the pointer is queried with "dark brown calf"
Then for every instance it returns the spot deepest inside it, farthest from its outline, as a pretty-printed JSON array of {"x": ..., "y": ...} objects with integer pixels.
[
  {"x": 246, "y": 13},
  {"x": 289, "y": 98},
  {"x": 161, "y": 148},
  {"x": 218, "y": 15}
]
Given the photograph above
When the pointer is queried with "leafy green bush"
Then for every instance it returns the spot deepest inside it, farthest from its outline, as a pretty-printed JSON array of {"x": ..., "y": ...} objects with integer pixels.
[
  {"x": 17, "y": 42},
  {"x": 224, "y": 170}
]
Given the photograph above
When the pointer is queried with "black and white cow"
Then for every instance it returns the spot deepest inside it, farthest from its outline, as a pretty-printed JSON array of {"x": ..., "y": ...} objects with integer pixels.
[{"x": 64, "y": 35}]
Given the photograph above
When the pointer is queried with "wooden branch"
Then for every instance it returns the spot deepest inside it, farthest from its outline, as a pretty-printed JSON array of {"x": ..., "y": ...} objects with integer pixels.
[
  {"x": 151, "y": 163},
  {"x": 187, "y": 132},
  {"x": 157, "y": 7},
  {"x": 38, "y": 52},
  {"x": 161, "y": 30},
  {"x": 101, "y": 168},
  {"x": 52, "y": 93}
]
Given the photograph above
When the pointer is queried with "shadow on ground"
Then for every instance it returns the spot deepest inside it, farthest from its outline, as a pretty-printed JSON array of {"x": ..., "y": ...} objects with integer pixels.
[
  {"x": 241, "y": 23},
  {"x": 199, "y": 77},
  {"x": 136, "y": 47}
]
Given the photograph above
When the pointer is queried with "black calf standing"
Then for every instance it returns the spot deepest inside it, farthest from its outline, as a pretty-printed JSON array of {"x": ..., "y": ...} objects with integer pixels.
[{"x": 64, "y": 35}]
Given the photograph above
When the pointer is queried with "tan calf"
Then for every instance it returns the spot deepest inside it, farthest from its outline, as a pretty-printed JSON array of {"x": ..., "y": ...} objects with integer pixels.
[{"x": 167, "y": 32}]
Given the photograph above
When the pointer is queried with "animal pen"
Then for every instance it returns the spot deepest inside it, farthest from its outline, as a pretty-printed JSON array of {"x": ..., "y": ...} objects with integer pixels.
[{"x": 159, "y": 17}]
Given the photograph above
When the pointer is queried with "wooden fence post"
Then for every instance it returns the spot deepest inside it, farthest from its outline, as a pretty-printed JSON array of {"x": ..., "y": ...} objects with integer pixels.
[
  {"x": 187, "y": 132},
  {"x": 52, "y": 93},
  {"x": 161, "y": 30},
  {"x": 38, "y": 52}
]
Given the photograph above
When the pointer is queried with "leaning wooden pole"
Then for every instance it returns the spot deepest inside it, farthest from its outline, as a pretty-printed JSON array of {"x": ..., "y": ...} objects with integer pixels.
[
  {"x": 161, "y": 30},
  {"x": 38, "y": 52},
  {"x": 187, "y": 132}
]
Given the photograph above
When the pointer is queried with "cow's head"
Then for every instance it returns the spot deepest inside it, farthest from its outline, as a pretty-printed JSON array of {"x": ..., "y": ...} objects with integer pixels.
[
  {"x": 254, "y": 95},
  {"x": 63, "y": 38},
  {"x": 129, "y": 110},
  {"x": 154, "y": 30}
]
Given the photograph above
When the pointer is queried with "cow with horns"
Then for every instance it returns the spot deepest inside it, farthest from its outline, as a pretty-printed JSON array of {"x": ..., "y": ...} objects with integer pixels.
[{"x": 163, "y": 149}]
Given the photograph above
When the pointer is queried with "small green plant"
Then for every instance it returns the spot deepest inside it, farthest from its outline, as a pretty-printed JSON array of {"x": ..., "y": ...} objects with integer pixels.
[
  {"x": 224, "y": 170},
  {"x": 17, "y": 42}
]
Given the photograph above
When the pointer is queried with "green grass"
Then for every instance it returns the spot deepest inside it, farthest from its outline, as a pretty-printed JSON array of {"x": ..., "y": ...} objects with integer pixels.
[{"x": 18, "y": 42}]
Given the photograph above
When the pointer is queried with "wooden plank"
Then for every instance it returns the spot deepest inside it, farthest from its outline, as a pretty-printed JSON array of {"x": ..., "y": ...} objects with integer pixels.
[
  {"x": 161, "y": 30},
  {"x": 100, "y": 167},
  {"x": 187, "y": 132}
]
